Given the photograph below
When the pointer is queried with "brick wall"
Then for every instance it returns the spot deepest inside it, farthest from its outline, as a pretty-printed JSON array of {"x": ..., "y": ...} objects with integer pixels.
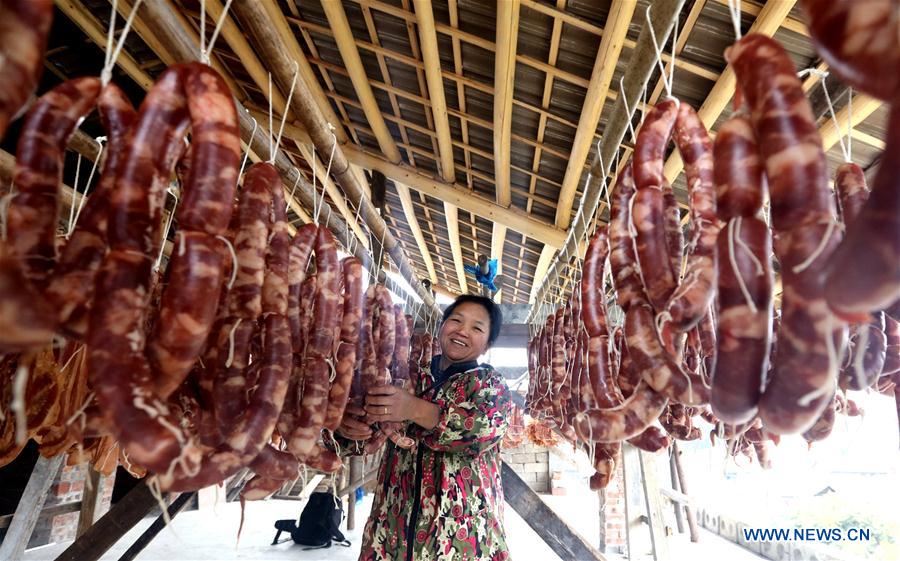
[
  {"x": 614, "y": 509},
  {"x": 532, "y": 463},
  {"x": 67, "y": 489}
]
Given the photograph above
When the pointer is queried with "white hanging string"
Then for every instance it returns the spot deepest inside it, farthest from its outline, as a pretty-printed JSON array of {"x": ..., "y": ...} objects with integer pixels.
[
  {"x": 271, "y": 145},
  {"x": 74, "y": 196},
  {"x": 74, "y": 220},
  {"x": 627, "y": 109},
  {"x": 110, "y": 34},
  {"x": 666, "y": 83},
  {"x": 106, "y": 73},
  {"x": 844, "y": 149},
  {"x": 849, "y": 125},
  {"x": 734, "y": 7},
  {"x": 205, "y": 50},
  {"x": 327, "y": 173},
  {"x": 162, "y": 244},
  {"x": 290, "y": 198},
  {"x": 285, "y": 112},
  {"x": 249, "y": 143}
]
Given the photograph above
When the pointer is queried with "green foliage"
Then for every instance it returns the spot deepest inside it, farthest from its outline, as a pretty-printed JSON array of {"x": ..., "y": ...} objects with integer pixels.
[{"x": 835, "y": 511}]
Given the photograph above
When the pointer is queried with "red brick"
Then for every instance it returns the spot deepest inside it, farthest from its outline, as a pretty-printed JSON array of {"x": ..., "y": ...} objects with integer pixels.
[{"x": 63, "y": 488}]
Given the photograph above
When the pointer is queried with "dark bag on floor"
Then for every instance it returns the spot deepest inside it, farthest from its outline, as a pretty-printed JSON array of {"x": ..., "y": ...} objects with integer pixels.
[{"x": 319, "y": 523}]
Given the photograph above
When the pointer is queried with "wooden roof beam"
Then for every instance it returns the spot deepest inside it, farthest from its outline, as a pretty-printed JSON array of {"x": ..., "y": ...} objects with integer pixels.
[
  {"x": 346, "y": 43},
  {"x": 281, "y": 28},
  {"x": 350, "y": 54},
  {"x": 459, "y": 196},
  {"x": 165, "y": 51},
  {"x": 276, "y": 49},
  {"x": 429, "y": 45},
  {"x": 504, "y": 84},
  {"x": 76, "y": 12},
  {"x": 360, "y": 158},
  {"x": 770, "y": 18},
  {"x": 238, "y": 43},
  {"x": 617, "y": 21},
  {"x": 336, "y": 195}
]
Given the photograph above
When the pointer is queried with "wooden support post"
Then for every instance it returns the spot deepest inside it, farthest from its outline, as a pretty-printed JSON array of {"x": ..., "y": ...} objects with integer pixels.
[
  {"x": 679, "y": 515},
  {"x": 654, "y": 506},
  {"x": 90, "y": 501},
  {"x": 636, "y": 539},
  {"x": 144, "y": 539},
  {"x": 356, "y": 468},
  {"x": 562, "y": 539},
  {"x": 29, "y": 508},
  {"x": 234, "y": 487},
  {"x": 691, "y": 519},
  {"x": 602, "y": 516},
  {"x": 121, "y": 518}
]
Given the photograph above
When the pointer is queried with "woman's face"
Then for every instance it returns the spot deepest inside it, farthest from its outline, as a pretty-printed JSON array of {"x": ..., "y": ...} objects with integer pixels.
[{"x": 464, "y": 335}]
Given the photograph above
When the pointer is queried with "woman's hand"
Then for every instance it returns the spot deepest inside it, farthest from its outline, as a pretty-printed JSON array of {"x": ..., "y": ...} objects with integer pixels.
[
  {"x": 352, "y": 425},
  {"x": 390, "y": 403}
]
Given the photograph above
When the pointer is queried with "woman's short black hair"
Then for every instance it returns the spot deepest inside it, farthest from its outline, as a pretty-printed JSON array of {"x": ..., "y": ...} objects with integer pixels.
[{"x": 489, "y": 305}]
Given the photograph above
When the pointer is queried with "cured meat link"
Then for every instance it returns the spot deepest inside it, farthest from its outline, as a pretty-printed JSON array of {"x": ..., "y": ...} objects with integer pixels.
[
  {"x": 864, "y": 272},
  {"x": 738, "y": 170},
  {"x": 71, "y": 289},
  {"x": 651, "y": 143},
  {"x": 809, "y": 340},
  {"x": 744, "y": 332},
  {"x": 250, "y": 240},
  {"x": 803, "y": 217},
  {"x": 623, "y": 422},
  {"x": 196, "y": 267},
  {"x": 602, "y": 383},
  {"x": 674, "y": 233},
  {"x": 850, "y": 185},
  {"x": 593, "y": 307},
  {"x": 345, "y": 355},
  {"x": 657, "y": 367},
  {"x": 30, "y": 256},
  {"x": 865, "y": 357},
  {"x": 301, "y": 249},
  {"x": 648, "y": 208},
  {"x": 253, "y": 428},
  {"x": 605, "y": 457},
  {"x": 695, "y": 293},
  {"x": 120, "y": 373},
  {"x": 786, "y": 131},
  {"x": 23, "y": 40},
  {"x": 188, "y": 309},
  {"x": 648, "y": 215},
  {"x": 622, "y": 257},
  {"x": 651, "y": 440},
  {"x": 276, "y": 284},
  {"x": 859, "y": 42}
]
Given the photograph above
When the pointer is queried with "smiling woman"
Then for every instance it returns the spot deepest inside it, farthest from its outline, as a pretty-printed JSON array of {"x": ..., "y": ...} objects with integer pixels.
[{"x": 443, "y": 498}]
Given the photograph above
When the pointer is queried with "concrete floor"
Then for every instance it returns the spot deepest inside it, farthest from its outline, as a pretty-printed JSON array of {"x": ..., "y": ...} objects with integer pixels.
[{"x": 211, "y": 534}]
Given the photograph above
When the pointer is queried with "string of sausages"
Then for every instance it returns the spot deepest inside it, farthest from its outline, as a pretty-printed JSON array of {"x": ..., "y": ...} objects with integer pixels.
[
  {"x": 701, "y": 319},
  {"x": 242, "y": 351}
]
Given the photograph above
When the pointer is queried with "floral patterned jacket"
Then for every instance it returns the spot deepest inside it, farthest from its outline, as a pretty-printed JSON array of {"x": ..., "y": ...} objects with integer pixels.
[{"x": 448, "y": 485}]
